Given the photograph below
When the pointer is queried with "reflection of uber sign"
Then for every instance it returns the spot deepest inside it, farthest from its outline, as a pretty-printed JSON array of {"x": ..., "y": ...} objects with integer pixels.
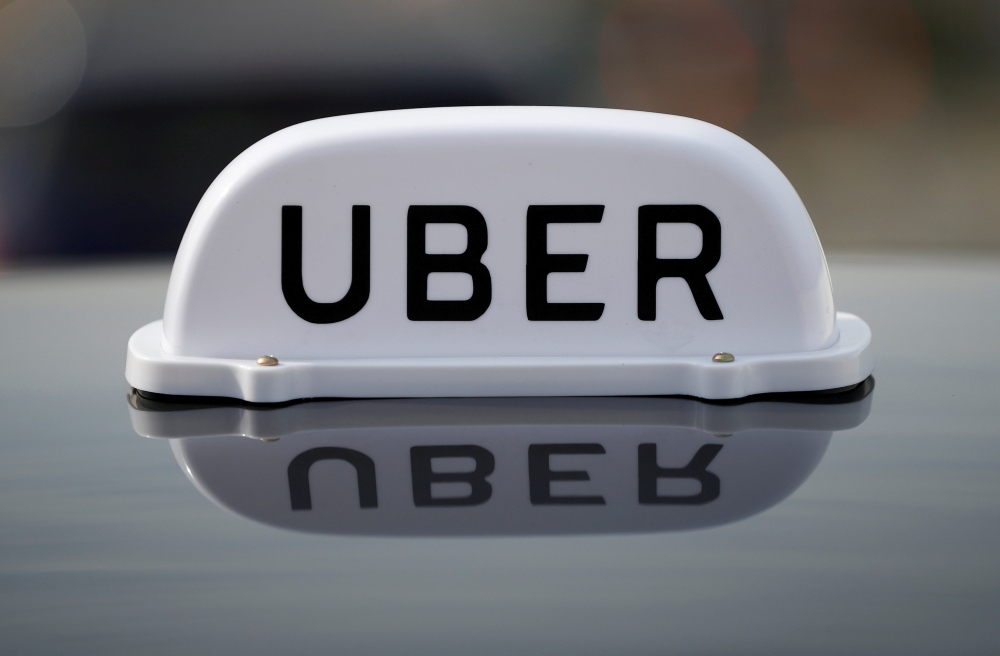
[
  {"x": 506, "y": 479},
  {"x": 540, "y": 475},
  {"x": 499, "y": 466},
  {"x": 498, "y": 252}
]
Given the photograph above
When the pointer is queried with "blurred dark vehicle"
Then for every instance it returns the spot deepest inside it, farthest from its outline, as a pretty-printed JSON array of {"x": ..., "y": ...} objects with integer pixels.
[
  {"x": 116, "y": 116},
  {"x": 172, "y": 92}
]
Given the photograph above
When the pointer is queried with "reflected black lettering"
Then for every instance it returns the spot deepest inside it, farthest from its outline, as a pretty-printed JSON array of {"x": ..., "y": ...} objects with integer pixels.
[
  {"x": 291, "y": 268},
  {"x": 540, "y": 475},
  {"x": 423, "y": 474},
  {"x": 420, "y": 264},
  {"x": 298, "y": 475},
  {"x": 693, "y": 270},
  {"x": 540, "y": 263},
  {"x": 650, "y": 472}
]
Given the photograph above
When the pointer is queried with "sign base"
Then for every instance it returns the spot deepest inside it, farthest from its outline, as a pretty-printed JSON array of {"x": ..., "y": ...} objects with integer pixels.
[{"x": 847, "y": 362}]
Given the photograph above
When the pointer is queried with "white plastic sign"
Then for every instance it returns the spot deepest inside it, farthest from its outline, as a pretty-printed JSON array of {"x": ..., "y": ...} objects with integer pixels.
[{"x": 503, "y": 251}]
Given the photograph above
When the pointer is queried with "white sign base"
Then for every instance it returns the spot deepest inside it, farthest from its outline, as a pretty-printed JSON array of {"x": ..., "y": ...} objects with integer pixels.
[{"x": 844, "y": 363}]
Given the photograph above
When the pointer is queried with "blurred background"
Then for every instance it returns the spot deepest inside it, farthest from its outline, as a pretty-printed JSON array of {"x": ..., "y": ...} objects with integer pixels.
[{"x": 115, "y": 116}]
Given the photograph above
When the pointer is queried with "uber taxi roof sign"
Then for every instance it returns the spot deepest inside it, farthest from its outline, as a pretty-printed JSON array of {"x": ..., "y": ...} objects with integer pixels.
[{"x": 499, "y": 251}]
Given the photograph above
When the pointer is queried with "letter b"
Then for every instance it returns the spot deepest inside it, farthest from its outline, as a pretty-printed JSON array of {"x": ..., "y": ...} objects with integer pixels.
[
  {"x": 424, "y": 474},
  {"x": 420, "y": 264}
]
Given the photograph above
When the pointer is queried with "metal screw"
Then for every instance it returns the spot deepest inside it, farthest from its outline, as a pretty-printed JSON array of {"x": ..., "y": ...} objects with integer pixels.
[
  {"x": 718, "y": 357},
  {"x": 267, "y": 360}
]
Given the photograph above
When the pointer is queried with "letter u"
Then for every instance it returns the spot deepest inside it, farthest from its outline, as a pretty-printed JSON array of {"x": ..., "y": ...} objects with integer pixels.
[
  {"x": 291, "y": 268},
  {"x": 298, "y": 475}
]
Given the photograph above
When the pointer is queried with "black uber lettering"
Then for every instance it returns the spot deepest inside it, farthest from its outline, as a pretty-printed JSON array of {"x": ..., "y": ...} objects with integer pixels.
[
  {"x": 650, "y": 472},
  {"x": 693, "y": 270},
  {"x": 291, "y": 268},
  {"x": 298, "y": 475},
  {"x": 420, "y": 264},
  {"x": 540, "y": 476},
  {"x": 540, "y": 263},
  {"x": 423, "y": 474}
]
